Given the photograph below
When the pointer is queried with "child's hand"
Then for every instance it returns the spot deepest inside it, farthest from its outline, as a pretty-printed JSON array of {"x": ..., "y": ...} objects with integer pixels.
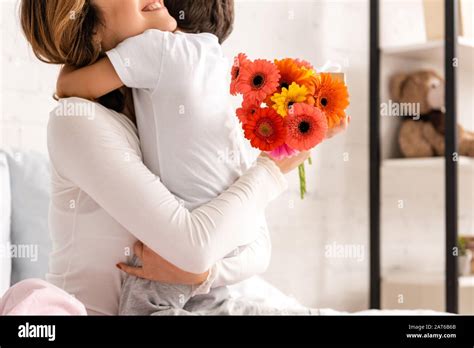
[
  {"x": 339, "y": 129},
  {"x": 62, "y": 83}
]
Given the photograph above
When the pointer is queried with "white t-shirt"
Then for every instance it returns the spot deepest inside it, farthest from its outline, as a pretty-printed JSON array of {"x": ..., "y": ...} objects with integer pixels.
[{"x": 188, "y": 131}]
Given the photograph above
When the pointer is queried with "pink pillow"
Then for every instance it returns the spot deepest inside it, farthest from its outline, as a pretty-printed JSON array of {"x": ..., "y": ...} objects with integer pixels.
[{"x": 38, "y": 297}]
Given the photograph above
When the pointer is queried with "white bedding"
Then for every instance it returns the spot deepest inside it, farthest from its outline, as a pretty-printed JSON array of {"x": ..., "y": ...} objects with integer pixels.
[{"x": 259, "y": 290}]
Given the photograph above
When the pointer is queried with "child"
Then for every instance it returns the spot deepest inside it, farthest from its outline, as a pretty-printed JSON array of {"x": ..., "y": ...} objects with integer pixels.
[{"x": 188, "y": 130}]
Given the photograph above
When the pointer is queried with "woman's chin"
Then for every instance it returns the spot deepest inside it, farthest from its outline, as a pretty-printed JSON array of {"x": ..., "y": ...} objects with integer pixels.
[{"x": 172, "y": 25}]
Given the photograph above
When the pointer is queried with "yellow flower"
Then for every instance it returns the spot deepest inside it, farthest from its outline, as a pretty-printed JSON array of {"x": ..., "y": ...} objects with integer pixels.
[
  {"x": 307, "y": 73},
  {"x": 284, "y": 100}
]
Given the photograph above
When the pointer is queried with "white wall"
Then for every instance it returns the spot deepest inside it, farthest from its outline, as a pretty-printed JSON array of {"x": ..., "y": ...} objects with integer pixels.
[
  {"x": 27, "y": 86},
  {"x": 336, "y": 208}
]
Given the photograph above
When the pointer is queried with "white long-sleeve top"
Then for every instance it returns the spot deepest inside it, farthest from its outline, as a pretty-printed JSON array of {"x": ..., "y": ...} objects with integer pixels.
[{"x": 104, "y": 198}]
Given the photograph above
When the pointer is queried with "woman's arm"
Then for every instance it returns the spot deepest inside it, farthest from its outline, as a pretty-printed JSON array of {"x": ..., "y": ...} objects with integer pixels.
[
  {"x": 96, "y": 156},
  {"x": 252, "y": 260}
]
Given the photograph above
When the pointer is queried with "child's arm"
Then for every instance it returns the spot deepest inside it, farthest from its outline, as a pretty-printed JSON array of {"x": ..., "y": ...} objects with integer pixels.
[{"x": 90, "y": 82}]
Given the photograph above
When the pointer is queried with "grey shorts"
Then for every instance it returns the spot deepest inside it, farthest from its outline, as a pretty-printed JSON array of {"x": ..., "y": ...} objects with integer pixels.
[{"x": 146, "y": 297}]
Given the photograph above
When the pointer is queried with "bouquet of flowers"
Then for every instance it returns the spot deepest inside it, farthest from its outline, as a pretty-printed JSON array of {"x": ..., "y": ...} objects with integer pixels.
[{"x": 287, "y": 107}]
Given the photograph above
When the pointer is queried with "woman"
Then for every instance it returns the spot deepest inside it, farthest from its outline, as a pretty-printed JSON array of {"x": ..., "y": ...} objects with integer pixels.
[{"x": 104, "y": 198}]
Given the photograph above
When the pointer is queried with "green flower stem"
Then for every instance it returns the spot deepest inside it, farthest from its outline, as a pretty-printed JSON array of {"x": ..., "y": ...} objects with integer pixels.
[
  {"x": 301, "y": 171},
  {"x": 310, "y": 161}
]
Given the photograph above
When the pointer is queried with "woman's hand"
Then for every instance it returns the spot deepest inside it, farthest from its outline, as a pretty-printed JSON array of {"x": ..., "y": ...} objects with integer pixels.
[
  {"x": 288, "y": 164},
  {"x": 156, "y": 268},
  {"x": 339, "y": 129}
]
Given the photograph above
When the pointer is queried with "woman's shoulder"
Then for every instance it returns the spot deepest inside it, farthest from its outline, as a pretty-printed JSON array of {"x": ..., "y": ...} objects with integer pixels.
[
  {"x": 83, "y": 109},
  {"x": 79, "y": 122},
  {"x": 74, "y": 113}
]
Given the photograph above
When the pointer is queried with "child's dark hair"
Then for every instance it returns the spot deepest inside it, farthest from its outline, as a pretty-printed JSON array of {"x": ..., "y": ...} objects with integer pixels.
[{"x": 204, "y": 16}]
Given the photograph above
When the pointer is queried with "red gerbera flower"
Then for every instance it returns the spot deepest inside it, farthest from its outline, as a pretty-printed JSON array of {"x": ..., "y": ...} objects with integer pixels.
[
  {"x": 265, "y": 130},
  {"x": 239, "y": 61},
  {"x": 306, "y": 127},
  {"x": 258, "y": 80},
  {"x": 247, "y": 111}
]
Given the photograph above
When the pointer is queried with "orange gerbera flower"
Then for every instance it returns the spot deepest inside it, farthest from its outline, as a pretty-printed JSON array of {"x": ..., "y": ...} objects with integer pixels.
[
  {"x": 247, "y": 111},
  {"x": 257, "y": 80},
  {"x": 304, "y": 64},
  {"x": 332, "y": 97},
  {"x": 265, "y": 130},
  {"x": 293, "y": 71},
  {"x": 239, "y": 61},
  {"x": 306, "y": 127}
]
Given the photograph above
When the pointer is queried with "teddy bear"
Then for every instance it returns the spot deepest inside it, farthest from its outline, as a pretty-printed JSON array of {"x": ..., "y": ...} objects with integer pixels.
[{"x": 422, "y": 131}]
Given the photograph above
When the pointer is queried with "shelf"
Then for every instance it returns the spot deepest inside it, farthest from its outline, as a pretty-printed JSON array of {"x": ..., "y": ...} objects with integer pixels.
[
  {"x": 464, "y": 163},
  {"x": 466, "y": 281},
  {"x": 416, "y": 278},
  {"x": 432, "y": 50},
  {"x": 415, "y": 51},
  {"x": 466, "y": 42},
  {"x": 422, "y": 179}
]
